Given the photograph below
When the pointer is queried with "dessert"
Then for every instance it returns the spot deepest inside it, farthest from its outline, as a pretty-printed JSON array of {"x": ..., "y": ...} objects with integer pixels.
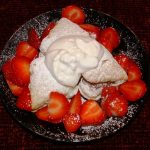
[{"x": 73, "y": 70}]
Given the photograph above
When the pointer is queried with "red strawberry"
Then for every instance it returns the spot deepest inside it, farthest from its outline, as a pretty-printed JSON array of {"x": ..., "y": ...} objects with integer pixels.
[
  {"x": 129, "y": 66},
  {"x": 7, "y": 71},
  {"x": 33, "y": 38},
  {"x": 105, "y": 43},
  {"x": 72, "y": 119},
  {"x": 74, "y": 13},
  {"x": 110, "y": 38},
  {"x": 91, "y": 113},
  {"x": 24, "y": 49},
  {"x": 57, "y": 107},
  {"x": 75, "y": 104},
  {"x": 43, "y": 114},
  {"x": 108, "y": 90},
  {"x": 20, "y": 67},
  {"x": 133, "y": 90},
  {"x": 24, "y": 100},
  {"x": 115, "y": 105},
  {"x": 15, "y": 89},
  {"x": 133, "y": 71},
  {"x": 91, "y": 28},
  {"x": 47, "y": 30},
  {"x": 72, "y": 122},
  {"x": 123, "y": 61}
]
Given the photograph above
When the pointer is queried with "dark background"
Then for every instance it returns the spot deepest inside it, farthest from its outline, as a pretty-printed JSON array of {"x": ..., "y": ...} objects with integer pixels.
[{"x": 132, "y": 13}]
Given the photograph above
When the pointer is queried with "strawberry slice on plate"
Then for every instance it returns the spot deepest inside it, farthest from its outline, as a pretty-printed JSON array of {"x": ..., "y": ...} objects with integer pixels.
[
  {"x": 72, "y": 120},
  {"x": 24, "y": 100},
  {"x": 108, "y": 90},
  {"x": 74, "y": 13},
  {"x": 91, "y": 113},
  {"x": 15, "y": 89},
  {"x": 123, "y": 60},
  {"x": 33, "y": 38},
  {"x": 75, "y": 104},
  {"x": 21, "y": 69},
  {"x": 115, "y": 105},
  {"x": 134, "y": 72},
  {"x": 26, "y": 50},
  {"x": 57, "y": 107},
  {"x": 110, "y": 38},
  {"x": 46, "y": 31},
  {"x": 133, "y": 90},
  {"x": 43, "y": 114},
  {"x": 91, "y": 29},
  {"x": 7, "y": 71}
]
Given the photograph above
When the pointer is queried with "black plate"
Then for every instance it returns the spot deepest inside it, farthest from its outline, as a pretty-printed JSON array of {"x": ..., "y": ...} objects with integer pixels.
[{"x": 129, "y": 45}]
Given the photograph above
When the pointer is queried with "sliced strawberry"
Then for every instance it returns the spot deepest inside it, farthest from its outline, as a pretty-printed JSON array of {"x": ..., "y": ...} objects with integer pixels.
[
  {"x": 46, "y": 31},
  {"x": 24, "y": 49},
  {"x": 21, "y": 69},
  {"x": 7, "y": 71},
  {"x": 134, "y": 72},
  {"x": 123, "y": 60},
  {"x": 57, "y": 107},
  {"x": 108, "y": 90},
  {"x": 115, "y": 105},
  {"x": 91, "y": 113},
  {"x": 75, "y": 104},
  {"x": 106, "y": 44},
  {"x": 91, "y": 28},
  {"x": 129, "y": 66},
  {"x": 110, "y": 38},
  {"x": 43, "y": 114},
  {"x": 33, "y": 38},
  {"x": 15, "y": 89},
  {"x": 74, "y": 13},
  {"x": 72, "y": 122},
  {"x": 24, "y": 100},
  {"x": 133, "y": 90}
]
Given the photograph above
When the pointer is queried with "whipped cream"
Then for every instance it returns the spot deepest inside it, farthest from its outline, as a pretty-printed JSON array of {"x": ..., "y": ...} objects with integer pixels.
[{"x": 70, "y": 56}]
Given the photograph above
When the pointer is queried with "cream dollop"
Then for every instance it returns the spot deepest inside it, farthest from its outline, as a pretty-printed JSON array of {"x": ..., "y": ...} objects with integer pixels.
[{"x": 70, "y": 56}]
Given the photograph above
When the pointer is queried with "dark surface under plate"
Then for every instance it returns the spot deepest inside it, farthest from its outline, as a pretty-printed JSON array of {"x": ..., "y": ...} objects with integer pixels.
[{"x": 130, "y": 45}]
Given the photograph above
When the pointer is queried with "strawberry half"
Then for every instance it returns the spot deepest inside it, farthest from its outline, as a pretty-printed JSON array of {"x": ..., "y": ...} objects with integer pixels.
[
  {"x": 26, "y": 50},
  {"x": 108, "y": 90},
  {"x": 133, "y": 90},
  {"x": 21, "y": 69},
  {"x": 115, "y": 105},
  {"x": 15, "y": 89},
  {"x": 123, "y": 60},
  {"x": 24, "y": 100},
  {"x": 57, "y": 107},
  {"x": 75, "y": 104},
  {"x": 72, "y": 122},
  {"x": 46, "y": 31},
  {"x": 74, "y": 13},
  {"x": 110, "y": 38},
  {"x": 43, "y": 114},
  {"x": 91, "y": 29},
  {"x": 33, "y": 38},
  {"x": 134, "y": 72},
  {"x": 91, "y": 113},
  {"x": 7, "y": 71}
]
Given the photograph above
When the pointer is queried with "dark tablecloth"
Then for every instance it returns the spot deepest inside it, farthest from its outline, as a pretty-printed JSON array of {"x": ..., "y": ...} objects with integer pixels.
[{"x": 132, "y": 13}]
